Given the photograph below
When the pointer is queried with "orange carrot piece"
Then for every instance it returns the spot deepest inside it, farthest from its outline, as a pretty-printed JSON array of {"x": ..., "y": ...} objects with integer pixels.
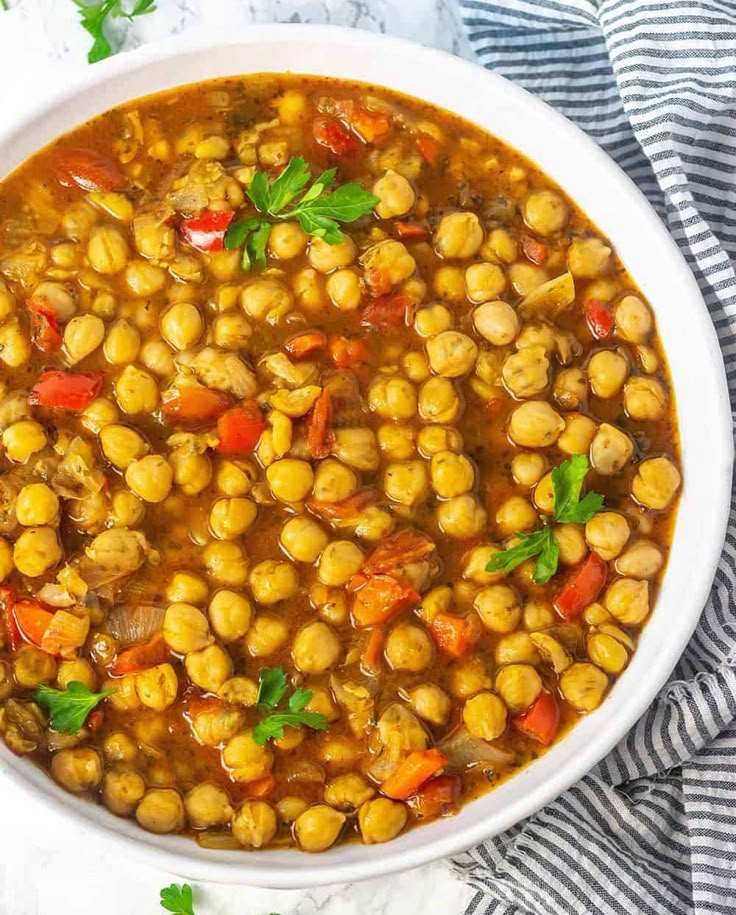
[
  {"x": 541, "y": 720},
  {"x": 262, "y": 787},
  {"x": 347, "y": 353},
  {"x": 410, "y": 230},
  {"x": 455, "y": 635},
  {"x": 305, "y": 344},
  {"x": 379, "y": 599},
  {"x": 402, "y": 548},
  {"x": 413, "y": 772},
  {"x": 428, "y": 147},
  {"x": 345, "y": 509},
  {"x": 372, "y": 652},
  {"x": 140, "y": 657},
  {"x": 319, "y": 433},
  {"x": 33, "y": 620}
]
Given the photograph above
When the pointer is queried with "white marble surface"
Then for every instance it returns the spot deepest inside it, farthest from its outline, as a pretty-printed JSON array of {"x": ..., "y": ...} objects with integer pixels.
[{"x": 44, "y": 870}]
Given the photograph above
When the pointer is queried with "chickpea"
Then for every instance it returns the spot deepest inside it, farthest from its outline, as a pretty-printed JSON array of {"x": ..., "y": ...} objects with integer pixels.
[
  {"x": 459, "y": 235},
  {"x": 578, "y": 434},
  {"x": 122, "y": 790},
  {"x": 499, "y": 607},
  {"x": 325, "y": 257},
  {"x": 150, "y": 478},
  {"x": 82, "y": 335},
  {"x": 485, "y": 716},
  {"x": 588, "y": 258},
  {"x": 255, "y": 824},
  {"x": 230, "y": 518},
  {"x": 182, "y": 325},
  {"x": 343, "y": 288},
  {"x": 433, "y": 319},
  {"x": 192, "y": 471},
  {"x": 461, "y": 517},
  {"x": 36, "y": 551},
  {"x": 266, "y": 636},
  {"x": 538, "y": 615},
  {"x": 433, "y": 439},
  {"x": 76, "y": 669},
  {"x": 273, "y": 581},
  {"x": 381, "y": 820},
  {"x": 144, "y": 279},
  {"x": 226, "y": 563},
  {"x": 101, "y": 412},
  {"x": 388, "y": 262},
  {"x": 656, "y": 483},
  {"x": 186, "y": 628},
  {"x": 526, "y": 373},
  {"x": 607, "y": 372},
  {"x": 235, "y": 478},
  {"x": 303, "y": 539},
  {"x": 607, "y": 534},
  {"x": 6, "y": 559},
  {"x": 535, "y": 424},
  {"x": 37, "y": 504},
  {"x": 161, "y": 811},
  {"x": 439, "y": 401},
  {"x": 316, "y": 648},
  {"x": 290, "y": 480},
  {"x": 357, "y": 448},
  {"x": 583, "y": 685},
  {"x": 57, "y": 298},
  {"x": 515, "y": 514},
  {"x": 409, "y": 647},
  {"x": 627, "y": 599},
  {"x": 77, "y": 769},
  {"x": 32, "y": 666},
  {"x": 496, "y": 322},
  {"x": 318, "y": 827},
  {"x": 475, "y": 565},
  {"x": 569, "y": 388},
  {"x": 121, "y": 445},
  {"x": 516, "y": 648},
  {"x": 118, "y": 550},
  {"x": 448, "y": 284},
  {"x": 397, "y": 442},
  {"x": 451, "y": 354},
  {"x": 157, "y": 358},
  {"x": 396, "y": 195},
  {"x": 468, "y": 678},
  {"x": 484, "y": 282},
  {"x": 644, "y": 399},
  {"x": 634, "y": 320},
  {"x": 519, "y": 685},
  {"x": 452, "y": 474},
  {"x": 187, "y": 588},
  {"x": 207, "y": 805},
  {"x": 610, "y": 450},
  {"x": 231, "y": 331},
  {"x": 348, "y": 792},
  {"x": 607, "y": 652},
  {"x": 107, "y": 250},
  {"x": 122, "y": 343},
  {"x": 545, "y": 212},
  {"x": 119, "y": 747},
  {"x": 230, "y": 614},
  {"x": 246, "y": 760},
  {"x": 340, "y": 560},
  {"x": 266, "y": 300},
  {"x": 641, "y": 559},
  {"x": 23, "y": 439},
  {"x": 392, "y": 397},
  {"x": 209, "y": 668},
  {"x": 430, "y": 703},
  {"x": 158, "y": 686},
  {"x": 287, "y": 240},
  {"x": 528, "y": 468},
  {"x": 136, "y": 391},
  {"x": 406, "y": 482},
  {"x": 127, "y": 510}
]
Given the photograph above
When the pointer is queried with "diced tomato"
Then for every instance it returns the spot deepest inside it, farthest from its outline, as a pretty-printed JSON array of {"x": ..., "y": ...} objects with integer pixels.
[
  {"x": 455, "y": 635},
  {"x": 534, "y": 249},
  {"x": 347, "y": 353},
  {"x": 200, "y": 705},
  {"x": 261, "y": 787},
  {"x": 428, "y": 148},
  {"x": 387, "y": 311},
  {"x": 600, "y": 319},
  {"x": 380, "y": 598},
  {"x": 319, "y": 429},
  {"x": 193, "y": 404},
  {"x": 141, "y": 657},
  {"x": 345, "y": 509},
  {"x": 12, "y": 632},
  {"x": 240, "y": 428},
  {"x": 44, "y": 326},
  {"x": 438, "y": 797},
  {"x": 583, "y": 589},
  {"x": 400, "y": 549},
  {"x": 33, "y": 620},
  {"x": 89, "y": 170},
  {"x": 541, "y": 720},
  {"x": 73, "y": 391},
  {"x": 305, "y": 344},
  {"x": 334, "y": 136},
  {"x": 371, "y": 126},
  {"x": 413, "y": 772},
  {"x": 206, "y": 232},
  {"x": 372, "y": 651},
  {"x": 410, "y": 230}
]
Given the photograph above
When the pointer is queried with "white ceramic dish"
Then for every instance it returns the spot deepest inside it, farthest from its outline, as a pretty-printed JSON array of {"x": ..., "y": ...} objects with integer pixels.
[{"x": 624, "y": 216}]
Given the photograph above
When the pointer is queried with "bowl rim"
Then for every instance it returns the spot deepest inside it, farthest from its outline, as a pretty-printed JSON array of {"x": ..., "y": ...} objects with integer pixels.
[{"x": 246, "y": 869}]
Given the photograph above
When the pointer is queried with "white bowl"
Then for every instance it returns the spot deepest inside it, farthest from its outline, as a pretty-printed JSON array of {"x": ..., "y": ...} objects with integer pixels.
[{"x": 704, "y": 415}]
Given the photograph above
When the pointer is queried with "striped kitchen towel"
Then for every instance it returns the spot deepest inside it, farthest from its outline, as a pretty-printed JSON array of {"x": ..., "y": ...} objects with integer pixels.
[{"x": 653, "y": 828}]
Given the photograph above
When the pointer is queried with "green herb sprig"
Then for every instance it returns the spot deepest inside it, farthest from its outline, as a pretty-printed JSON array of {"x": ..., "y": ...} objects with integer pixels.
[
  {"x": 568, "y": 508},
  {"x": 272, "y": 687},
  {"x": 4, "y": 5},
  {"x": 178, "y": 899},
  {"x": 318, "y": 211},
  {"x": 68, "y": 708},
  {"x": 94, "y": 16}
]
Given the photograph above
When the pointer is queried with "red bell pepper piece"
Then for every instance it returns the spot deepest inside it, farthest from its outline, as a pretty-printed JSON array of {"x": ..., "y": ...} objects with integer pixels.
[
  {"x": 583, "y": 589},
  {"x": 206, "y": 232},
  {"x": 44, "y": 326},
  {"x": 141, "y": 657},
  {"x": 346, "y": 353},
  {"x": 305, "y": 344},
  {"x": 387, "y": 311},
  {"x": 410, "y": 230},
  {"x": 428, "y": 148},
  {"x": 371, "y": 126},
  {"x": 240, "y": 428},
  {"x": 541, "y": 720},
  {"x": 600, "y": 319},
  {"x": 380, "y": 598},
  {"x": 455, "y": 635},
  {"x": 89, "y": 170},
  {"x": 193, "y": 404},
  {"x": 334, "y": 136},
  {"x": 438, "y": 797},
  {"x": 73, "y": 391},
  {"x": 534, "y": 249},
  {"x": 400, "y": 549},
  {"x": 319, "y": 431}
]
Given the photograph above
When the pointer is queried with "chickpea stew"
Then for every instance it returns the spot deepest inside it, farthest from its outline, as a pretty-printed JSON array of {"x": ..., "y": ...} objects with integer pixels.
[{"x": 339, "y": 462}]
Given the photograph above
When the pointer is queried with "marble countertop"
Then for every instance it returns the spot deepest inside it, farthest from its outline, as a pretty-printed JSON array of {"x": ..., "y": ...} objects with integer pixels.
[{"x": 42, "y": 872}]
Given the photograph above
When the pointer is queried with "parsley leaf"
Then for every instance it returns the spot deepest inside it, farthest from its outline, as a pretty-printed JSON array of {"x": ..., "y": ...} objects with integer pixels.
[
  {"x": 4, "y": 5},
  {"x": 284, "y": 189},
  {"x": 68, "y": 708},
  {"x": 569, "y": 508},
  {"x": 272, "y": 687},
  {"x": 256, "y": 244},
  {"x": 94, "y": 16},
  {"x": 177, "y": 899}
]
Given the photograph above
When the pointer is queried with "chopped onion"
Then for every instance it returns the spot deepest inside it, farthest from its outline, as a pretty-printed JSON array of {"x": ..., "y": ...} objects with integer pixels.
[
  {"x": 130, "y": 624},
  {"x": 462, "y": 750}
]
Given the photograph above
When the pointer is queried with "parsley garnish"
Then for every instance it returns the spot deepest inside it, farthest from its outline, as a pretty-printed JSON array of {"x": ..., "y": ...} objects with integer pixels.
[
  {"x": 95, "y": 15},
  {"x": 178, "y": 899},
  {"x": 568, "y": 508},
  {"x": 318, "y": 212},
  {"x": 272, "y": 687},
  {"x": 3, "y": 5},
  {"x": 68, "y": 708}
]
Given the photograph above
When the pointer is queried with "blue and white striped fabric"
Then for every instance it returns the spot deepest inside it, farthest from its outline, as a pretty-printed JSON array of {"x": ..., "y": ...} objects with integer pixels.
[{"x": 653, "y": 828}]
